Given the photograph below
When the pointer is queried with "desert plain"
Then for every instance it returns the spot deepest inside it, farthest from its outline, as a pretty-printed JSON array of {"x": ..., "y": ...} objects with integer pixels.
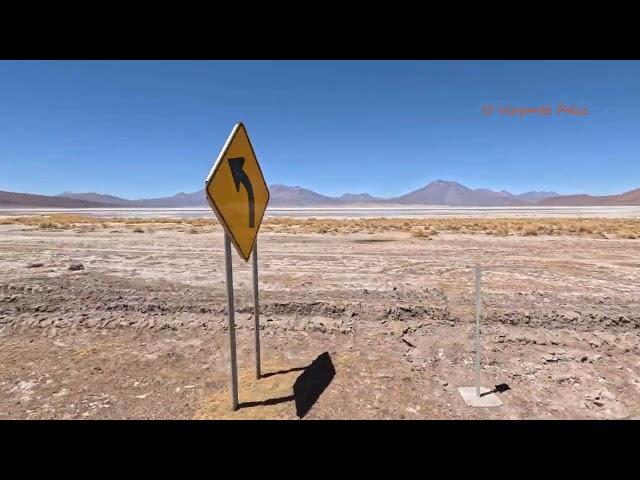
[{"x": 124, "y": 318}]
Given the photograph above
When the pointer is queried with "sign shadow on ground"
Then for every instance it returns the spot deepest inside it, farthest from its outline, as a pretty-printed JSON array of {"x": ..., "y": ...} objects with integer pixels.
[{"x": 307, "y": 388}]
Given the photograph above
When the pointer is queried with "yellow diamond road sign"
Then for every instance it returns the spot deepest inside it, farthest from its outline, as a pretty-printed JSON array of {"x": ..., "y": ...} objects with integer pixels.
[{"x": 237, "y": 191}]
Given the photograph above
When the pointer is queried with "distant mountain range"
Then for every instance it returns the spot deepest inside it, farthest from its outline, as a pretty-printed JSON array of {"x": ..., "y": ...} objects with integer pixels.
[
  {"x": 195, "y": 199},
  {"x": 631, "y": 197},
  {"x": 438, "y": 192},
  {"x": 441, "y": 192},
  {"x": 20, "y": 200}
]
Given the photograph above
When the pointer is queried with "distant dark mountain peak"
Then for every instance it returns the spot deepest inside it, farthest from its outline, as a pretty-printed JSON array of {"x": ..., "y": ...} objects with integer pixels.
[
  {"x": 283, "y": 195},
  {"x": 443, "y": 182},
  {"x": 493, "y": 193},
  {"x": 291, "y": 188},
  {"x": 96, "y": 198},
  {"x": 358, "y": 197},
  {"x": 535, "y": 196}
]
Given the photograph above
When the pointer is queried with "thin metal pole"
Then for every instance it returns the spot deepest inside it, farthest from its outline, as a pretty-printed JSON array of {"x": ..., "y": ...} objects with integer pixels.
[
  {"x": 232, "y": 324},
  {"x": 256, "y": 307},
  {"x": 478, "y": 312}
]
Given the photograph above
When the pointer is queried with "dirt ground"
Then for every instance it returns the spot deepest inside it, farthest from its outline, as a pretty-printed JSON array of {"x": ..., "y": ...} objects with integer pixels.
[{"x": 141, "y": 331}]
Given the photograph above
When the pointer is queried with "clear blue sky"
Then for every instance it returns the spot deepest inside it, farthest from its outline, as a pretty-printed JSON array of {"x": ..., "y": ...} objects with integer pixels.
[{"x": 144, "y": 129}]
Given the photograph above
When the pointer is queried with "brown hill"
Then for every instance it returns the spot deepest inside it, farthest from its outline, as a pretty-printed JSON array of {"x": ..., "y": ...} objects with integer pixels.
[
  {"x": 27, "y": 200},
  {"x": 631, "y": 198}
]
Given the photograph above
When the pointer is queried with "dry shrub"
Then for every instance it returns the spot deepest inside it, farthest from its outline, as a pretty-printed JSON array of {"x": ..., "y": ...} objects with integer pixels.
[
  {"x": 587, "y": 227},
  {"x": 629, "y": 234},
  {"x": 138, "y": 230},
  {"x": 418, "y": 232},
  {"x": 603, "y": 227},
  {"x": 49, "y": 225}
]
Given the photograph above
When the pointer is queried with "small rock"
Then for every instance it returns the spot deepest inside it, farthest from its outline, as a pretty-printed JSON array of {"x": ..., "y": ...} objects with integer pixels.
[
  {"x": 76, "y": 266},
  {"x": 409, "y": 340},
  {"x": 530, "y": 367},
  {"x": 563, "y": 378},
  {"x": 591, "y": 396},
  {"x": 607, "y": 395},
  {"x": 584, "y": 358},
  {"x": 35, "y": 264},
  {"x": 62, "y": 392},
  {"x": 398, "y": 327}
]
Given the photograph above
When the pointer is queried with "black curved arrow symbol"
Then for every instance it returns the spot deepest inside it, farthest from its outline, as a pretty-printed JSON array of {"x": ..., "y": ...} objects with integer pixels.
[{"x": 240, "y": 176}]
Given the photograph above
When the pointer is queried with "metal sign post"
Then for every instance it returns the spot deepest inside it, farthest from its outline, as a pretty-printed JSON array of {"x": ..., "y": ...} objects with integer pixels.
[
  {"x": 232, "y": 324},
  {"x": 238, "y": 194},
  {"x": 256, "y": 307},
  {"x": 478, "y": 396},
  {"x": 478, "y": 313}
]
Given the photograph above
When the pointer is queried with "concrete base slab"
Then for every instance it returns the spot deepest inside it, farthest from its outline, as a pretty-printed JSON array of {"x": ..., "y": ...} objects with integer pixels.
[{"x": 485, "y": 399}]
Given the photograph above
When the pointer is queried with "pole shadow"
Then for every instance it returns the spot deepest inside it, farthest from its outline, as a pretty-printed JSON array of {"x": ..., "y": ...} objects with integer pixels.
[
  {"x": 280, "y": 372},
  {"x": 307, "y": 388},
  {"x": 271, "y": 401}
]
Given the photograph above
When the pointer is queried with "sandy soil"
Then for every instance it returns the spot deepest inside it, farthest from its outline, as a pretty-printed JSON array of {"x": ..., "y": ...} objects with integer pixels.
[{"x": 141, "y": 331}]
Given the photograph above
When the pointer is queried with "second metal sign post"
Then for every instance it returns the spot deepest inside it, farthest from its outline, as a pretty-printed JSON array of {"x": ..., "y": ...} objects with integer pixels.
[{"x": 240, "y": 212}]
